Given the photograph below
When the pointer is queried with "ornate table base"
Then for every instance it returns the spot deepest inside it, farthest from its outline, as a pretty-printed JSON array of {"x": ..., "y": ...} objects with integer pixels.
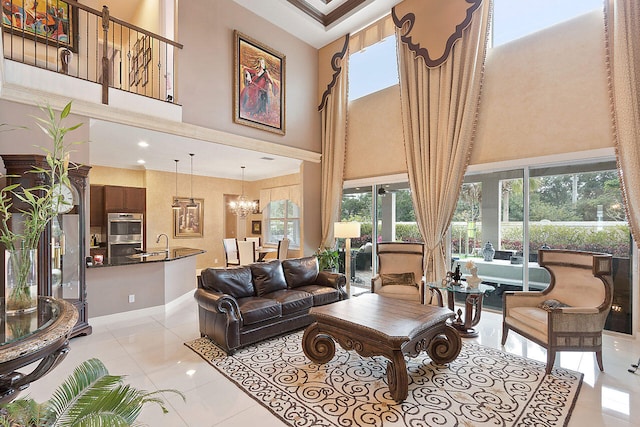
[{"x": 382, "y": 332}]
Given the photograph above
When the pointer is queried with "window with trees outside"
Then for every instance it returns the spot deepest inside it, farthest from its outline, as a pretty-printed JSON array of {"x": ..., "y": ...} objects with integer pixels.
[{"x": 282, "y": 219}]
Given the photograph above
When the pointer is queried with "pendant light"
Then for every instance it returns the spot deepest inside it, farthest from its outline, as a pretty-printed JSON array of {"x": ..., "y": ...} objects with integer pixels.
[
  {"x": 242, "y": 206},
  {"x": 192, "y": 203},
  {"x": 176, "y": 204}
]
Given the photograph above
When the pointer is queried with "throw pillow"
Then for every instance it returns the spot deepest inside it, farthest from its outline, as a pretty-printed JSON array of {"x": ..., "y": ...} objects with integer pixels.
[
  {"x": 268, "y": 277},
  {"x": 550, "y": 304},
  {"x": 407, "y": 279}
]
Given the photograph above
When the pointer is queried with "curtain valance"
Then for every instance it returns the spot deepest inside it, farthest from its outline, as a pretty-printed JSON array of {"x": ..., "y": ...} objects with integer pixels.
[{"x": 289, "y": 192}]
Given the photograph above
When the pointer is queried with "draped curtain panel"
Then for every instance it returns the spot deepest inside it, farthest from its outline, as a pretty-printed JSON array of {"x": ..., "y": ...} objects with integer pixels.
[
  {"x": 622, "y": 24},
  {"x": 441, "y": 53},
  {"x": 333, "y": 110}
]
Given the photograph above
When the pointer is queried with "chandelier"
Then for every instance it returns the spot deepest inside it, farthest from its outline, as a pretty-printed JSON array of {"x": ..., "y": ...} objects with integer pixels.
[{"x": 242, "y": 206}]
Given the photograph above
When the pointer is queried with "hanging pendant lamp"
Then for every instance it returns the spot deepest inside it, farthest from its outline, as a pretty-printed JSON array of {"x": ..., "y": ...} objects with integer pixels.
[
  {"x": 192, "y": 203},
  {"x": 242, "y": 206},
  {"x": 176, "y": 204}
]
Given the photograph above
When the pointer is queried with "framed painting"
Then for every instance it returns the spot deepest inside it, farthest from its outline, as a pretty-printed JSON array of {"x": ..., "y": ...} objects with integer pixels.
[
  {"x": 259, "y": 85},
  {"x": 188, "y": 222},
  {"x": 52, "y": 22},
  {"x": 256, "y": 227}
]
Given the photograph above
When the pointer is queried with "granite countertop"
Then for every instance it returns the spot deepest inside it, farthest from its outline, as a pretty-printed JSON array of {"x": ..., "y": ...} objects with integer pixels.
[{"x": 151, "y": 255}]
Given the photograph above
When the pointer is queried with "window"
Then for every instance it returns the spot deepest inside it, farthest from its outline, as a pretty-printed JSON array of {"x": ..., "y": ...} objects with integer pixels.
[
  {"x": 283, "y": 220},
  {"x": 373, "y": 69},
  {"x": 513, "y": 19}
]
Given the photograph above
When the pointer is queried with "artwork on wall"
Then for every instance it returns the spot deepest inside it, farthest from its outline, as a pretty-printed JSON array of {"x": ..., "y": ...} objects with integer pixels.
[
  {"x": 140, "y": 57},
  {"x": 188, "y": 222},
  {"x": 259, "y": 85},
  {"x": 54, "y": 23},
  {"x": 256, "y": 227}
]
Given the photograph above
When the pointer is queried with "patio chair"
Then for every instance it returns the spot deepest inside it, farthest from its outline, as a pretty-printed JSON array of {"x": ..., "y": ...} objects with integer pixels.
[
  {"x": 570, "y": 313},
  {"x": 400, "y": 271}
]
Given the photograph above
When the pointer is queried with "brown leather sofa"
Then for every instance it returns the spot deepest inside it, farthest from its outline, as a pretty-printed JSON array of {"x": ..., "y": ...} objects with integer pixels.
[{"x": 238, "y": 306}]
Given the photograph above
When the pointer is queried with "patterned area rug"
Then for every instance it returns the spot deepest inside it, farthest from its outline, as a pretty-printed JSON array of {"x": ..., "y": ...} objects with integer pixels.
[{"x": 482, "y": 387}]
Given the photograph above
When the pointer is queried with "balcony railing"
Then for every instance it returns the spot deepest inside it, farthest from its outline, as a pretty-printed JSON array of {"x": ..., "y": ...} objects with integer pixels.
[{"x": 73, "y": 39}]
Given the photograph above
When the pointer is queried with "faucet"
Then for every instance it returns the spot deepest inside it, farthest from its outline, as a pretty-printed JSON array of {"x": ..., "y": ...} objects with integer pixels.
[{"x": 166, "y": 248}]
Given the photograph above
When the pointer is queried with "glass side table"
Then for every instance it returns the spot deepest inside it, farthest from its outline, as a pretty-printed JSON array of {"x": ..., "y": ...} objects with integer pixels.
[
  {"x": 40, "y": 336},
  {"x": 464, "y": 322}
]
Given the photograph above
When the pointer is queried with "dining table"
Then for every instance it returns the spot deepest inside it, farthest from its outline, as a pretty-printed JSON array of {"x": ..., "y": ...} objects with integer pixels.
[{"x": 263, "y": 252}]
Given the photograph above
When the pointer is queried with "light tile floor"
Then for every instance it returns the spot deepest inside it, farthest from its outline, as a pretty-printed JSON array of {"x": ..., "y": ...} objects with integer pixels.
[{"x": 147, "y": 346}]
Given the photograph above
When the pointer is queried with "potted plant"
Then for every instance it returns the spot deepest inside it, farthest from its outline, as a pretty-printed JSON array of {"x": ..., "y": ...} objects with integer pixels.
[
  {"x": 38, "y": 206},
  {"x": 328, "y": 259},
  {"x": 88, "y": 397}
]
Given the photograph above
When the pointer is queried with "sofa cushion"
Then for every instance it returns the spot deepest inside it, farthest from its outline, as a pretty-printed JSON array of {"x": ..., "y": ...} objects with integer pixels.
[
  {"x": 268, "y": 277},
  {"x": 300, "y": 271},
  {"x": 234, "y": 281},
  {"x": 321, "y": 294},
  {"x": 256, "y": 309},
  {"x": 292, "y": 301}
]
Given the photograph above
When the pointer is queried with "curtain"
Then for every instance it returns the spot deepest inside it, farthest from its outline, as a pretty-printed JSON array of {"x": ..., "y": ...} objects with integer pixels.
[
  {"x": 622, "y": 24},
  {"x": 441, "y": 52},
  {"x": 333, "y": 110}
]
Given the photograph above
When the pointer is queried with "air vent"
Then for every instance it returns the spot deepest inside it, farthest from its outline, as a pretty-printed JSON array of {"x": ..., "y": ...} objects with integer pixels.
[{"x": 267, "y": 158}]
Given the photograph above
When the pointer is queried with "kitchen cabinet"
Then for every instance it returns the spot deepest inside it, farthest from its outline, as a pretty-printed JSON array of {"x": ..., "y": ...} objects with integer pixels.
[
  {"x": 124, "y": 199},
  {"x": 97, "y": 212}
]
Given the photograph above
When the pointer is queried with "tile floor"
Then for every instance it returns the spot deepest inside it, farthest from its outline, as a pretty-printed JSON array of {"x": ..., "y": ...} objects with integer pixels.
[{"x": 147, "y": 346}]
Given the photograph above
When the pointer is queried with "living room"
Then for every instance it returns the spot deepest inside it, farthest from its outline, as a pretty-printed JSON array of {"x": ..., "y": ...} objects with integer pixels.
[{"x": 554, "y": 71}]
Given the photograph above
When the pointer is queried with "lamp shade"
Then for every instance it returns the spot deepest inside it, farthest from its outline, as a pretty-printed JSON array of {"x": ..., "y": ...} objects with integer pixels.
[{"x": 346, "y": 229}]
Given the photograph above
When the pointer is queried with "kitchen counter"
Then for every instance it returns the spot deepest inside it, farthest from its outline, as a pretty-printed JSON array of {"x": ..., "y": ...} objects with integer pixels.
[
  {"x": 150, "y": 279},
  {"x": 152, "y": 255}
]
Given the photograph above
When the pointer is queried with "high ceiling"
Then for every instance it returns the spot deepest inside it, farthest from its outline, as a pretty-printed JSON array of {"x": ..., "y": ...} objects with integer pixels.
[{"x": 316, "y": 22}]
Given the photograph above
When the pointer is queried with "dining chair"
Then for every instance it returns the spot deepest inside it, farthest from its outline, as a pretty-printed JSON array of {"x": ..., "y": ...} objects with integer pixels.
[
  {"x": 283, "y": 248},
  {"x": 246, "y": 252},
  {"x": 256, "y": 240},
  {"x": 231, "y": 251}
]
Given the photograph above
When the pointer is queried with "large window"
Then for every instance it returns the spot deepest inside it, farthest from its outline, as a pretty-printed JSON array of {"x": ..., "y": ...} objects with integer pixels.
[
  {"x": 373, "y": 68},
  {"x": 283, "y": 220}
]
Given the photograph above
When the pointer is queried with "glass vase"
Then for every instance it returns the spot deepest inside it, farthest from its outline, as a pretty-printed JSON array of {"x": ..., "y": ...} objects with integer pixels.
[{"x": 21, "y": 281}]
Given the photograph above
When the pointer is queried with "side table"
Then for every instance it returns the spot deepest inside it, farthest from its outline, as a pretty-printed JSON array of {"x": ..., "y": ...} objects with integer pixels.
[{"x": 465, "y": 322}]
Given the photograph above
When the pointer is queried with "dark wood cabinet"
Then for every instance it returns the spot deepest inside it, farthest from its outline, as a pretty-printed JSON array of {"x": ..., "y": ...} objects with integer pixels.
[
  {"x": 124, "y": 199},
  {"x": 96, "y": 212},
  {"x": 62, "y": 246}
]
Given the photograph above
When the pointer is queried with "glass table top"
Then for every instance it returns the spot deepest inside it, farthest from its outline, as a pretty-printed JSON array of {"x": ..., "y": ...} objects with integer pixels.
[{"x": 20, "y": 326}]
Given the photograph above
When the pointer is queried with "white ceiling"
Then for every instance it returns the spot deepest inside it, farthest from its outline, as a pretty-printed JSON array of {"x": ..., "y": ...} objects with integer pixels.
[{"x": 115, "y": 145}]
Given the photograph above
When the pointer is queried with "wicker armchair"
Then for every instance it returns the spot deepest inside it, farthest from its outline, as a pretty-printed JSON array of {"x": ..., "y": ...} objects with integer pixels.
[{"x": 570, "y": 313}]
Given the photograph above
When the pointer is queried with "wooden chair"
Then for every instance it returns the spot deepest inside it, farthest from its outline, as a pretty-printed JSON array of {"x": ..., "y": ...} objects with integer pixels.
[
  {"x": 231, "y": 251},
  {"x": 570, "y": 313},
  {"x": 246, "y": 252},
  {"x": 283, "y": 248},
  {"x": 400, "y": 271}
]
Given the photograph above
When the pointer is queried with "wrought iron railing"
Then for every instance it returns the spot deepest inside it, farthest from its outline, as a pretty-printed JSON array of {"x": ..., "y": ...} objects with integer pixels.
[{"x": 74, "y": 39}]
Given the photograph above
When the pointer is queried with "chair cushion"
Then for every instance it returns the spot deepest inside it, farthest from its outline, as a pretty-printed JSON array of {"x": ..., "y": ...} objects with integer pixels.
[
  {"x": 550, "y": 304},
  {"x": 235, "y": 281},
  {"x": 300, "y": 271},
  {"x": 405, "y": 279},
  {"x": 405, "y": 292},
  {"x": 256, "y": 310},
  {"x": 531, "y": 320},
  {"x": 268, "y": 277}
]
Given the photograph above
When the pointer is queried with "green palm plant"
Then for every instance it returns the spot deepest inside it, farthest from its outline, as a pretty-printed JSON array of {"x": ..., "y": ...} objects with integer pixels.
[{"x": 89, "y": 397}]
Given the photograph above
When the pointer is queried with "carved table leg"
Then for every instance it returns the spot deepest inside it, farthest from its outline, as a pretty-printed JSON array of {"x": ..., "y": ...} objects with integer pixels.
[
  {"x": 397, "y": 377},
  {"x": 445, "y": 347},
  {"x": 318, "y": 347}
]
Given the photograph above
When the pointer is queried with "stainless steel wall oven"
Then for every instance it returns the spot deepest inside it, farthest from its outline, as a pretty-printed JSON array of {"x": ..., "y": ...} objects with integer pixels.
[{"x": 125, "y": 232}]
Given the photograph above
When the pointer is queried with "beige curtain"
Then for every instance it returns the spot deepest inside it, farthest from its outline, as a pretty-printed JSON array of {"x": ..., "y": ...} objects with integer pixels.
[
  {"x": 622, "y": 23},
  {"x": 333, "y": 62},
  {"x": 440, "y": 82}
]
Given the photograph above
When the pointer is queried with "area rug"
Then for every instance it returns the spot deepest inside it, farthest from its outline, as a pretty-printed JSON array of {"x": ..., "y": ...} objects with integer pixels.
[{"x": 482, "y": 387}]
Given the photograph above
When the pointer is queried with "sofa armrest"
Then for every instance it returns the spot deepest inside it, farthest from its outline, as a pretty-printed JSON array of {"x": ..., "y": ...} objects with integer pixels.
[
  {"x": 332, "y": 280},
  {"x": 218, "y": 302}
]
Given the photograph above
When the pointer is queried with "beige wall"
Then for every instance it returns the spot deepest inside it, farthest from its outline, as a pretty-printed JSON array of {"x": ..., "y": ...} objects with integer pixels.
[
  {"x": 544, "y": 94},
  {"x": 206, "y": 81}
]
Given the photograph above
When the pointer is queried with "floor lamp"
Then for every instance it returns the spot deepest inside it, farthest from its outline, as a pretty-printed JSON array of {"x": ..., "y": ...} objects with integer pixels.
[{"x": 347, "y": 230}]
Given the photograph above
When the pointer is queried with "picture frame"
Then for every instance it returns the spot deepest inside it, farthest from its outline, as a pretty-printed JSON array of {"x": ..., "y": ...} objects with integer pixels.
[
  {"x": 256, "y": 227},
  {"x": 257, "y": 209},
  {"x": 60, "y": 20},
  {"x": 188, "y": 222},
  {"x": 259, "y": 85}
]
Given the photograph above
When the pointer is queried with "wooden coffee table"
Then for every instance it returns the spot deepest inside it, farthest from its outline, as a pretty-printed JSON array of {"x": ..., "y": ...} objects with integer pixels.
[{"x": 374, "y": 325}]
